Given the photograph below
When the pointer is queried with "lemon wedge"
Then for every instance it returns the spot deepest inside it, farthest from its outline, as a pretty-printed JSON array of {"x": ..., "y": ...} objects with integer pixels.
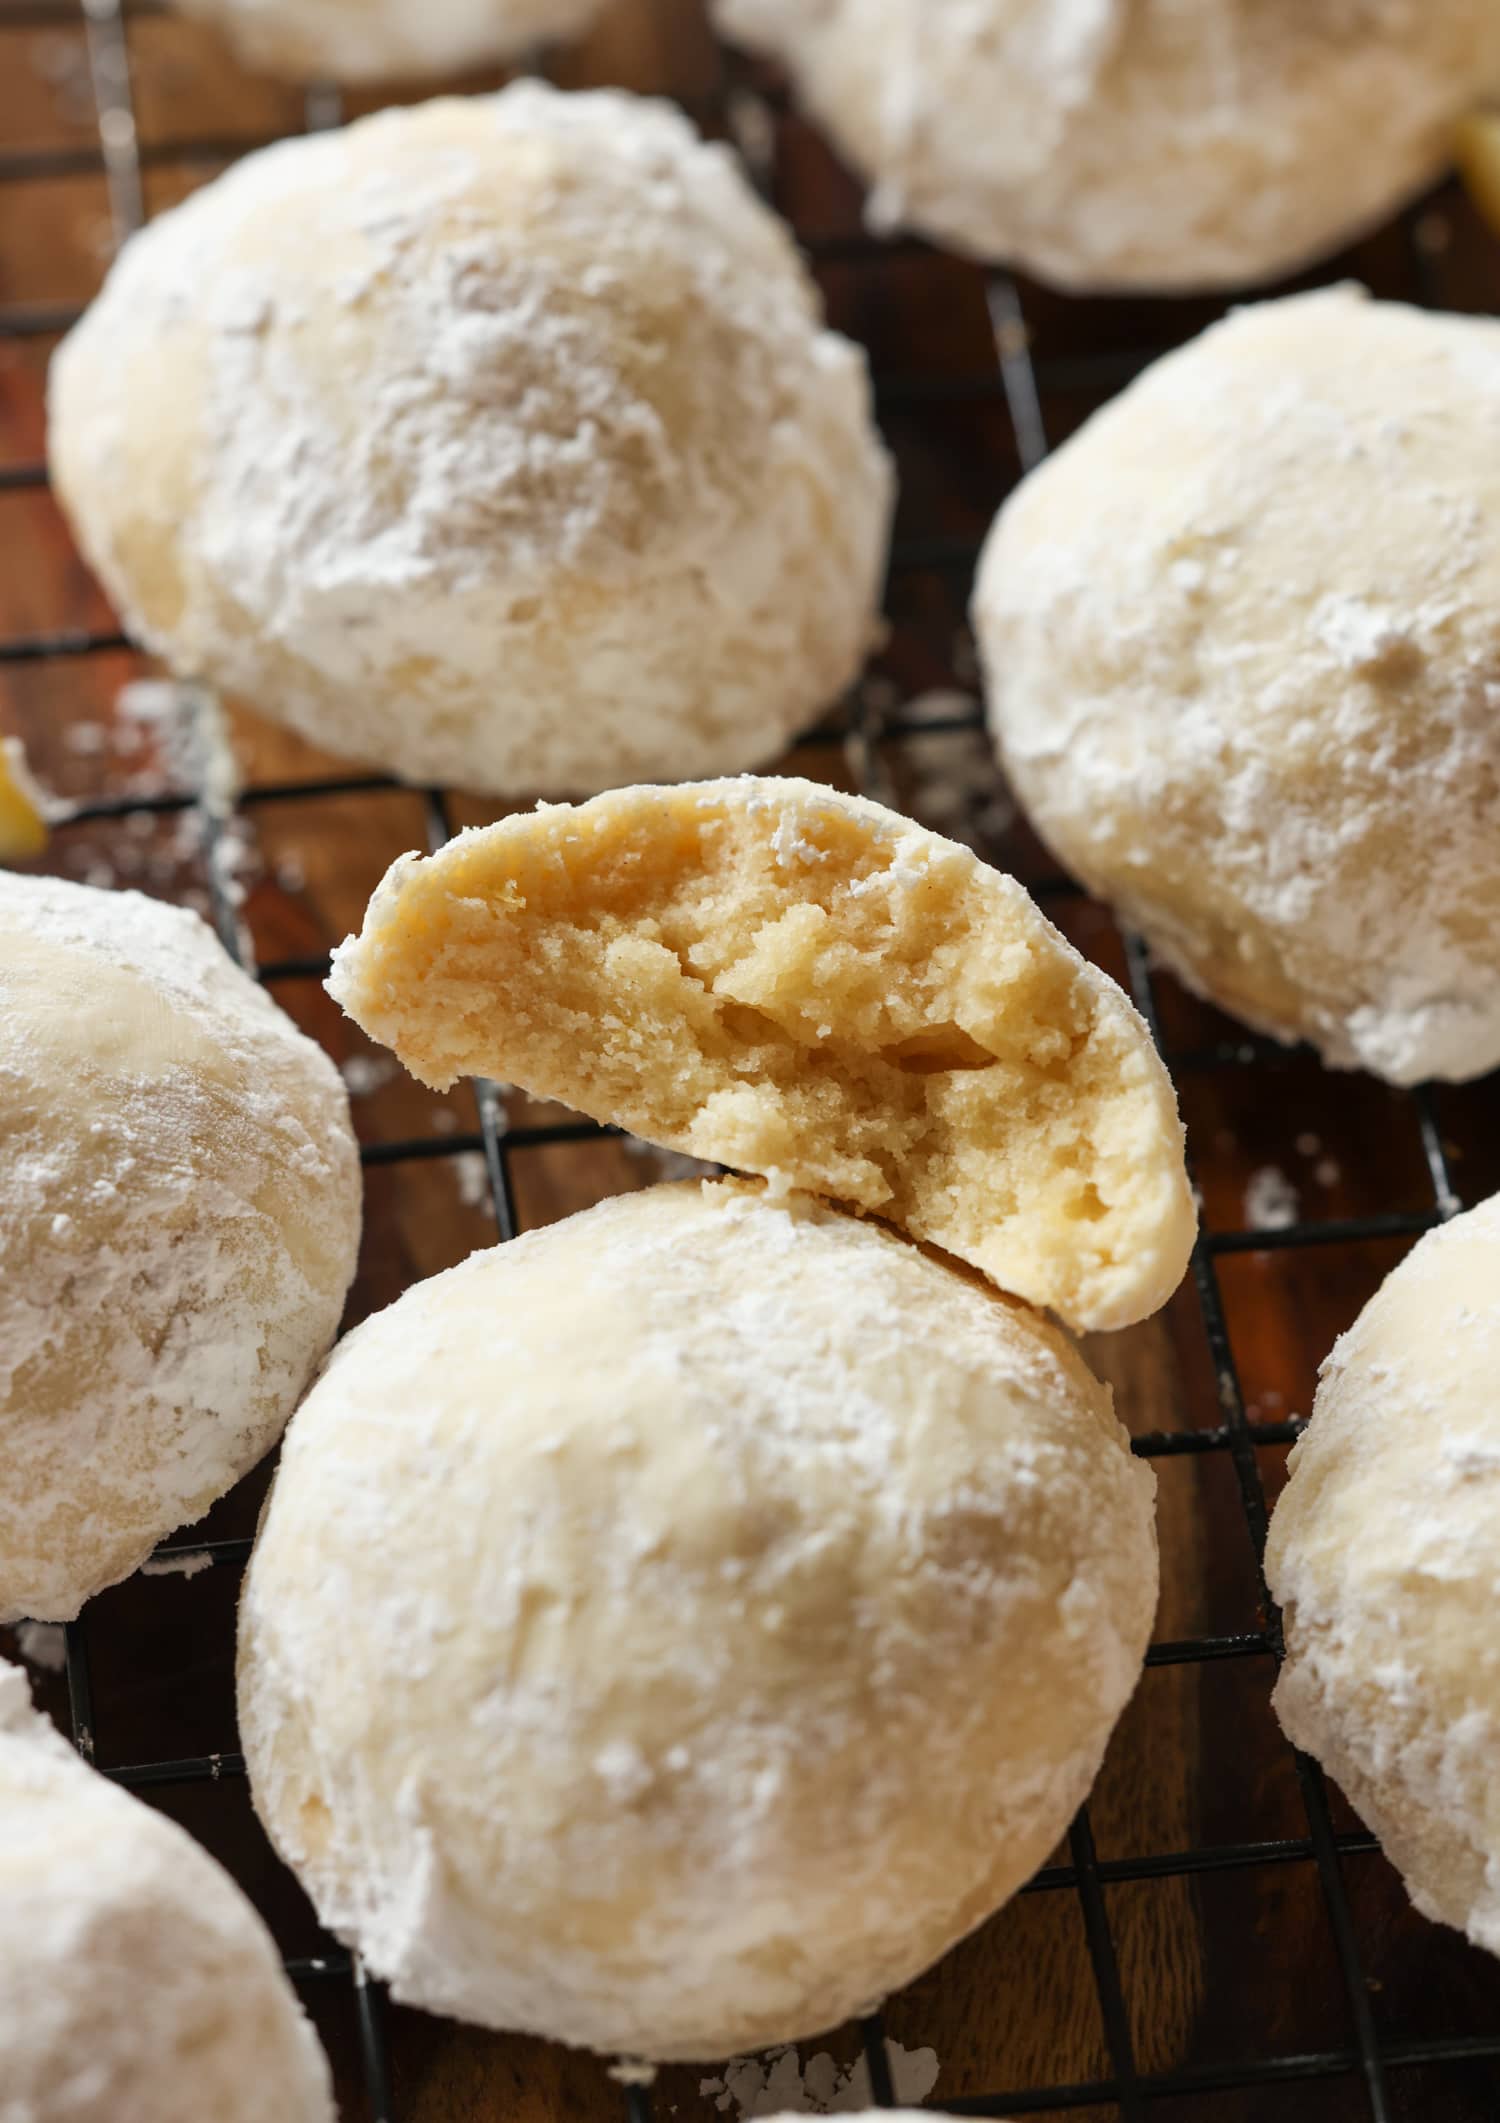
[
  {"x": 23, "y": 823},
  {"x": 1477, "y": 149}
]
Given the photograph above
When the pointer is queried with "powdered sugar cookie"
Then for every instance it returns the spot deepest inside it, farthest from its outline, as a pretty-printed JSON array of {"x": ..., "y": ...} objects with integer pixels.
[
  {"x": 789, "y": 1583},
  {"x": 1383, "y": 1554},
  {"x": 1244, "y": 668},
  {"x": 1116, "y": 144},
  {"x": 137, "y": 1985},
  {"x": 179, "y": 1215},
  {"x": 498, "y": 442}
]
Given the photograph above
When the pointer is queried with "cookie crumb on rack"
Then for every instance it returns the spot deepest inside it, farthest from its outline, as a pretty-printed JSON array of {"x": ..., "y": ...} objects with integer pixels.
[{"x": 186, "y": 1565}]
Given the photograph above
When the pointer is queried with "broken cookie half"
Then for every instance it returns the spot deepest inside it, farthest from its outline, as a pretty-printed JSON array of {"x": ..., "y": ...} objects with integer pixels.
[{"x": 777, "y": 977}]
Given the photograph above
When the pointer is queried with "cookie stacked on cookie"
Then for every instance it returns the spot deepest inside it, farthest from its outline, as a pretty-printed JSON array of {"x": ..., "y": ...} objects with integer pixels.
[{"x": 670, "y": 1631}]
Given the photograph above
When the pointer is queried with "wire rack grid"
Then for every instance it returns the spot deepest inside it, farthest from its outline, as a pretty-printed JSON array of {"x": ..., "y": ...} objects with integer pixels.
[{"x": 869, "y": 731}]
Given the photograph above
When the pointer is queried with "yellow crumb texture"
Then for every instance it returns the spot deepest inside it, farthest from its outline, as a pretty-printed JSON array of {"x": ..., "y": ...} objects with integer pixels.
[
  {"x": 23, "y": 829},
  {"x": 777, "y": 977}
]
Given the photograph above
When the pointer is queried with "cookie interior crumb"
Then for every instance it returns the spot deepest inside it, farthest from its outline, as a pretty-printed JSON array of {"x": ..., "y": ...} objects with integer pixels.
[{"x": 793, "y": 982}]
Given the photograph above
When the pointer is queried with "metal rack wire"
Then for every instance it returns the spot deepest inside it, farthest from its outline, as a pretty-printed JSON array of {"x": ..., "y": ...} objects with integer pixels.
[{"x": 865, "y": 727}]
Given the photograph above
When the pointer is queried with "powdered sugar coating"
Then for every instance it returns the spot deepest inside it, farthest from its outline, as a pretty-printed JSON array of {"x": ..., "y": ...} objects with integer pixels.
[
  {"x": 1385, "y": 1553},
  {"x": 497, "y": 441},
  {"x": 179, "y": 1214},
  {"x": 1243, "y": 656},
  {"x": 670, "y": 1631},
  {"x": 1114, "y": 143},
  {"x": 371, "y": 40},
  {"x": 137, "y": 1985}
]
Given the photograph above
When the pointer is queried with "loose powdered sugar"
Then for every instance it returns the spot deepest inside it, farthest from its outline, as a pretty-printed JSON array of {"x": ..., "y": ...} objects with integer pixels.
[
  {"x": 42, "y": 1644},
  {"x": 1271, "y": 1200},
  {"x": 780, "y": 2084}
]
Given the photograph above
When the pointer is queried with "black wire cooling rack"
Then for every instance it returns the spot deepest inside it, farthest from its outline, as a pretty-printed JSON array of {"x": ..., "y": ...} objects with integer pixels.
[{"x": 871, "y": 731}]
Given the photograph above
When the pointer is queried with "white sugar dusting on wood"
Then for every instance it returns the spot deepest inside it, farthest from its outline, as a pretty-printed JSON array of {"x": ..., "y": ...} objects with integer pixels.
[
  {"x": 779, "y": 2083},
  {"x": 1272, "y": 1203}
]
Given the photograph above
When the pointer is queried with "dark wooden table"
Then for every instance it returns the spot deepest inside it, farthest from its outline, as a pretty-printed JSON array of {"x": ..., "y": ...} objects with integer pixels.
[{"x": 1187, "y": 1932}]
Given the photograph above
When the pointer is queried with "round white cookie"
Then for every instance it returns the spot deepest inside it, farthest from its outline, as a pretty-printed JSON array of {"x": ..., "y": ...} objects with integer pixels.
[
  {"x": 497, "y": 441},
  {"x": 373, "y": 40},
  {"x": 672, "y": 1630},
  {"x": 1242, "y": 637},
  {"x": 179, "y": 1216},
  {"x": 137, "y": 1984},
  {"x": 1385, "y": 1555},
  {"x": 1110, "y": 144}
]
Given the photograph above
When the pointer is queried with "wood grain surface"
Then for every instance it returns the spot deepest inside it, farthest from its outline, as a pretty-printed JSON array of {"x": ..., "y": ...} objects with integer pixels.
[{"x": 1216, "y": 1966}]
